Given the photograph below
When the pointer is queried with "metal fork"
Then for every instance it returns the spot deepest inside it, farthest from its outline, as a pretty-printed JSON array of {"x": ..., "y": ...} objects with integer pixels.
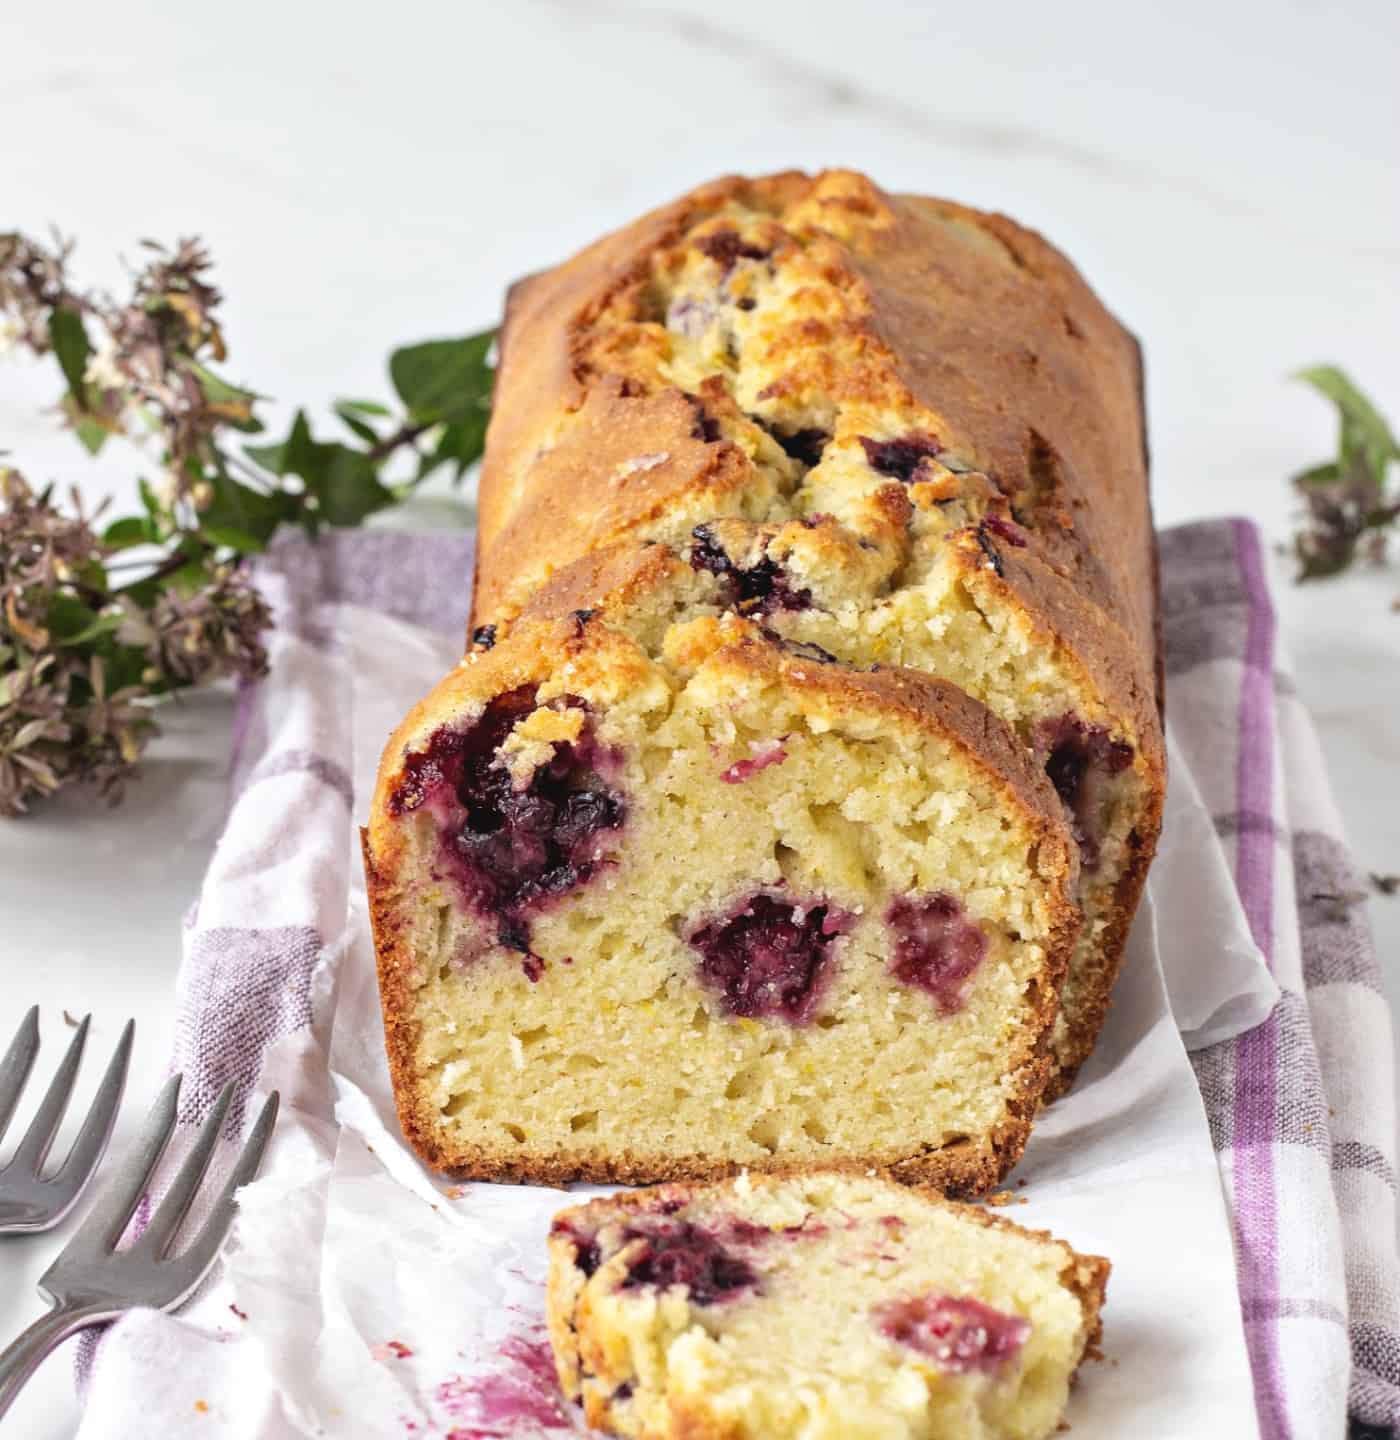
[
  {"x": 28, "y": 1201},
  {"x": 92, "y": 1281}
]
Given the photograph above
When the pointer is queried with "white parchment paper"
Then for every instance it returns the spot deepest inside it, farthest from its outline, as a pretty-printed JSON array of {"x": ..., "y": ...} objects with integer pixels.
[{"x": 365, "y": 1297}]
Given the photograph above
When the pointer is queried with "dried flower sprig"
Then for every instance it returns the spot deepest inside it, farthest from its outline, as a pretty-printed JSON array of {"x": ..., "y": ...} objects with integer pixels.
[
  {"x": 1350, "y": 507},
  {"x": 86, "y": 654}
]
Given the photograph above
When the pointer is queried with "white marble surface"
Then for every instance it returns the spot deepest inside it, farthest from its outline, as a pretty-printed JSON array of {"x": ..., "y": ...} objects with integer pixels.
[{"x": 1225, "y": 173}]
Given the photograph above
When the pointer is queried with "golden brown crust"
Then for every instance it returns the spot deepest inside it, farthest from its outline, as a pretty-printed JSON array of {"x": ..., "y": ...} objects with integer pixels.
[
  {"x": 644, "y": 458},
  {"x": 539, "y": 376},
  {"x": 1037, "y": 379},
  {"x": 1113, "y": 668},
  {"x": 395, "y": 962},
  {"x": 609, "y": 580},
  {"x": 988, "y": 326}
]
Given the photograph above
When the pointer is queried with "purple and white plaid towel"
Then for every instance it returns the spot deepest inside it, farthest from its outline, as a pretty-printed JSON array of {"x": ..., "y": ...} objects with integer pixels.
[{"x": 1299, "y": 1107}]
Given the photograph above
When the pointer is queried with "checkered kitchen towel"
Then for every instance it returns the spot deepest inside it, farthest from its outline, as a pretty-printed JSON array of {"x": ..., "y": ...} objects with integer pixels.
[{"x": 1301, "y": 1107}]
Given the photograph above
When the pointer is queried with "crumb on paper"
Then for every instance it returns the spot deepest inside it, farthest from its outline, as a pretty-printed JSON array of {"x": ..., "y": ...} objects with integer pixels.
[
  {"x": 70, "y": 1019},
  {"x": 390, "y": 1350},
  {"x": 242, "y": 1314},
  {"x": 1386, "y": 884},
  {"x": 998, "y": 1198},
  {"x": 454, "y": 1192},
  {"x": 201, "y": 1407}
]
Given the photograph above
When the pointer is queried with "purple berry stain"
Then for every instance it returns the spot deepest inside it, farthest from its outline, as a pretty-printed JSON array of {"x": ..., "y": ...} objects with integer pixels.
[
  {"x": 763, "y": 754},
  {"x": 522, "y": 1388},
  {"x": 770, "y": 956},
  {"x": 959, "y": 1334},
  {"x": 762, "y": 586},
  {"x": 1080, "y": 760},
  {"x": 900, "y": 459},
  {"x": 1008, "y": 530},
  {"x": 513, "y": 850},
  {"x": 936, "y": 947}
]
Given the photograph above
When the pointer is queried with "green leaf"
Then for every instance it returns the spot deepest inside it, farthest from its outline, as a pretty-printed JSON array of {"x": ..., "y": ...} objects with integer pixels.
[
  {"x": 238, "y": 509},
  {"x": 352, "y": 421},
  {"x": 1362, "y": 424},
  {"x": 444, "y": 380},
  {"x": 233, "y": 539},
  {"x": 343, "y": 480},
  {"x": 363, "y": 407},
  {"x": 189, "y": 577},
  {"x": 68, "y": 336},
  {"x": 92, "y": 435},
  {"x": 272, "y": 458},
  {"x": 128, "y": 531},
  {"x": 460, "y": 443},
  {"x": 301, "y": 455},
  {"x": 348, "y": 488},
  {"x": 231, "y": 402},
  {"x": 102, "y": 625},
  {"x": 1319, "y": 477},
  {"x": 151, "y": 501},
  {"x": 283, "y": 457},
  {"x": 1317, "y": 565},
  {"x": 93, "y": 574},
  {"x": 126, "y": 664},
  {"x": 70, "y": 622}
]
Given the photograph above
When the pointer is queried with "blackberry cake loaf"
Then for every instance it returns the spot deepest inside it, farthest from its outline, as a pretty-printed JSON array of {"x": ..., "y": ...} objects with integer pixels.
[
  {"x": 664, "y": 898},
  {"x": 811, "y": 705},
  {"x": 895, "y": 427},
  {"x": 825, "y": 1307}
]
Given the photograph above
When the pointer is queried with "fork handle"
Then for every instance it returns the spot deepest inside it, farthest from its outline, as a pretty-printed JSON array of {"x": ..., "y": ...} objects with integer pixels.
[{"x": 20, "y": 1360}]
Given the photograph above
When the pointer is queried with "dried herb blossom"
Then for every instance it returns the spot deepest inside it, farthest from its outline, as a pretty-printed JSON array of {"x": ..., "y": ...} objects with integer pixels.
[
  {"x": 1351, "y": 508},
  {"x": 92, "y": 639}
]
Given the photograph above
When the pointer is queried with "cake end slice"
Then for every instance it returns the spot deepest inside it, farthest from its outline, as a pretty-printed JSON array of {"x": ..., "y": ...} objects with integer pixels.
[{"x": 828, "y": 1305}]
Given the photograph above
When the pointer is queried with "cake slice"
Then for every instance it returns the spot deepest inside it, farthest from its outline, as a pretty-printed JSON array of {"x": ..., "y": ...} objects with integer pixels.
[
  {"x": 825, "y": 1307},
  {"x": 662, "y": 898}
]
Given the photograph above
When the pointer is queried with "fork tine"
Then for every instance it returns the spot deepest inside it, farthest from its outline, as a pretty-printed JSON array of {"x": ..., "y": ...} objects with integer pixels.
[
  {"x": 92, "y": 1139},
  {"x": 122, "y": 1192},
  {"x": 15, "y": 1067},
  {"x": 207, "y": 1244},
  {"x": 176, "y": 1204},
  {"x": 34, "y": 1148}
]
